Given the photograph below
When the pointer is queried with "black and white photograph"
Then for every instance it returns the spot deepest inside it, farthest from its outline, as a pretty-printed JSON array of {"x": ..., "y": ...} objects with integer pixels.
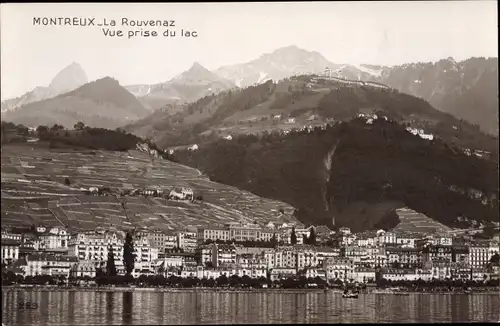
[{"x": 249, "y": 163}]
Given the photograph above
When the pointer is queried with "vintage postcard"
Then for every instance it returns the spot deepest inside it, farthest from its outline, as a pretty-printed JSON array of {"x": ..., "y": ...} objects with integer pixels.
[{"x": 249, "y": 163}]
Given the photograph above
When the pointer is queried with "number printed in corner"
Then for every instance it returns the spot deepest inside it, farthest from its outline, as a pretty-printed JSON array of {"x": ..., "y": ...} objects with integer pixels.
[{"x": 27, "y": 305}]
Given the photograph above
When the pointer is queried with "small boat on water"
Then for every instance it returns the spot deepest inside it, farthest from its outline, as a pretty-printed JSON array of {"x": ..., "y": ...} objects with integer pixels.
[
  {"x": 350, "y": 296},
  {"x": 398, "y": 291}
]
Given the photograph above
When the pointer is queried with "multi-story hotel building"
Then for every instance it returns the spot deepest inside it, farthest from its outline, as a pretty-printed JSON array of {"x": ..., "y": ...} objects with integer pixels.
[
  {"x": 244, "y": 232},
  {"x": 223, "y": 255},
  {"x": 213, "y": 233},
  {"x": 94, "y": 246},
  {"x": 407, "y": 257},
  {"x": 54, "y": 238},
  {"x": 43, "y": 264},
  {"x": 144, "y": 252},
  {"x": 338, "y": 268},
  {"x": 187, "y": 240},
  {"x": 479, "y": 255}
]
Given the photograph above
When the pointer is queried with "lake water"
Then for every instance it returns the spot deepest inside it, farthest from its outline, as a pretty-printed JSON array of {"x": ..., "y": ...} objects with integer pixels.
[{"x": 126, "y": 308}]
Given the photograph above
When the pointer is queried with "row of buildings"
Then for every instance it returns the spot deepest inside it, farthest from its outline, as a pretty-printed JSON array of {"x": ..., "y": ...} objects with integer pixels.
[{"x": 350, "y": 257}]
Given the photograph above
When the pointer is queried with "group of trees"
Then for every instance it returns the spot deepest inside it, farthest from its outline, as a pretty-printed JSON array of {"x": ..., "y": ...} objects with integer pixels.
[
  {"x": 11, "y": 132},
  {"x": 9, "y": 278},
  {"x": 435, "y": 283},
  {"x": 309, "y": 240},
  {"x": 86, "y": 137},
  {"x": 128, "y": 259},
  {"x": 159, "y": 280}
]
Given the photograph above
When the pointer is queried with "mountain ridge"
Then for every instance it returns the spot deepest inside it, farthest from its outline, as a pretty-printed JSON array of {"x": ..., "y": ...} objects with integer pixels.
[
  {"x": 69, "y": 78},
  {"x": 302, "y": 101},
  {"x": 374, "y": 169},
  {"x": 188, "y": 86},
  {"x": 101, "y": 103}
]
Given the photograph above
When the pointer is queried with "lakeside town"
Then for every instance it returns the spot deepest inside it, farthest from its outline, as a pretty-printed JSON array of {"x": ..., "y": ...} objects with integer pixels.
[{"x": 287, "y": 255}]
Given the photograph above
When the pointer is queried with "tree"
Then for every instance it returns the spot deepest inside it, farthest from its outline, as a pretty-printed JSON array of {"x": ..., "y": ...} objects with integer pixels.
[
  {"x": 22, "y": 130},
  {"x": 489, "y": 231},
  {"x": 110, "y": 265},
  {"x": 42, "y": 131},
  {"x": 293, "y": 237},
  {"x": 495, "y": 259},
  {"x": 56, "y": 127},
  {"x": 234, "y": 280},
  {"x": 312, "y": 236},
  {"x": 246, "y": 280},
  {"x": 128, "y": 254},
  {"x": 222, "y": 280},
  {"x": 79, "y": 126},
  {"x": 273, "y": 240}
]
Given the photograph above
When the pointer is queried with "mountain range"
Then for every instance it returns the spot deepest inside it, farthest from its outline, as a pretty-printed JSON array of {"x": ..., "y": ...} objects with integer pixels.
[
  {"x": 303, "y": 102},
  {"x": 466, "y": 89}
]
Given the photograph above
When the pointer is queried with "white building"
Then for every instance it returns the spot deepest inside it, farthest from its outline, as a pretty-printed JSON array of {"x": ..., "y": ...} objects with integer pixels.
[
  {"x": 339, "y": 269},
  {"x": 244, "y": 232},
  {"x": 10, "y": 251},
  {"x": 223, "y": 255},
  {"x": 213, "y": 233},
  {"x": 345, "y": 230},
  {"x": 401, "y": 275},
  {"x": 307, "y": 256},
  {"x": 55, "y": 238},
  {"x": 385, "y": 238},
  {"x": 406, "y": 241},
  {"x": 251, "y": 261},
  {"x": 313, "y": 272},
  {"x": 43, "y": 264},
  {"x": 326, "y": 252},
  {"x": 143, "y": 250},
  {"x": 281, "y": 257},
  {"x": 280, "y": 273},
  {"x": 84, "y": 268},
  {"x": 181, "y": 194},
  {"x": 363, "y": 275},
  {"x": 187, "y": 240},
  {"x": 11, "y": 236},
  {"x": 479, "y": 255},
  {"x": 94, "y": 246}
]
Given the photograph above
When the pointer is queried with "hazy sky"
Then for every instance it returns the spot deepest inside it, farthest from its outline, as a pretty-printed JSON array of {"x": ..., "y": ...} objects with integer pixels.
[{"x": 385, "y": 33}]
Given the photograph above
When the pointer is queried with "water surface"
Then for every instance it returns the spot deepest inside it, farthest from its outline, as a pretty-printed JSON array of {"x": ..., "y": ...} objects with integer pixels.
[{"x": 126, "y": 308}]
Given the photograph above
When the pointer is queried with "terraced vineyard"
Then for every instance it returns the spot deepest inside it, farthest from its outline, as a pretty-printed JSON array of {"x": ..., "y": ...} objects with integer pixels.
[
  {"x": 415, "y": 222},
  {"x": 34, "y": 191}
]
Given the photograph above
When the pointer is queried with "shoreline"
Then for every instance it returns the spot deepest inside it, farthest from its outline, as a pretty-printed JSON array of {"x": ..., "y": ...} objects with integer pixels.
[{"x": 10, "y": 288}]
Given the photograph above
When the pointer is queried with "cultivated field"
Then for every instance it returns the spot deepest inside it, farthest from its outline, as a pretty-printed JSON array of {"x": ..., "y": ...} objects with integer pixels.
[
  {"x": 412, "y": 221},
  {"x": 34, "y": 191}
]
